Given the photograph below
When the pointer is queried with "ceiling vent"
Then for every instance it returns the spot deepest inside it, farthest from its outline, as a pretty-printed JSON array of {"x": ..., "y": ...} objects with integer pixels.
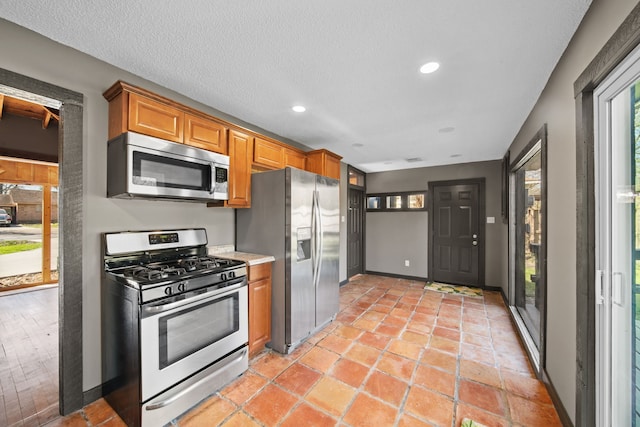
[{"x": 414, "y": 159}]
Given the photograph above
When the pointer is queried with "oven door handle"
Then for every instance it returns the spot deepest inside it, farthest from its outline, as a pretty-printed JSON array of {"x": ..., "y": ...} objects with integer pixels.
[
  {"x": 159, "y": 308},
  {"x": 181, "y": 393}
]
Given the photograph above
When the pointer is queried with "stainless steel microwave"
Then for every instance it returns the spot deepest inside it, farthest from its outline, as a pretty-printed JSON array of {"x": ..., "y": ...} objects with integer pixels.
[{"x": 144, "y": 166}]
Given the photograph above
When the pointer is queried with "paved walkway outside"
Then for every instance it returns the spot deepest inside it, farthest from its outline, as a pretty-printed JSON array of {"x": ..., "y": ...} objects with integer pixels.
[{"x": 27, "y": 261}]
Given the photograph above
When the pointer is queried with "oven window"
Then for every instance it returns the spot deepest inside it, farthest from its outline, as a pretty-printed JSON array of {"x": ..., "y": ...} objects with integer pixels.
[
  {"x": 187, "y": 331},
  {"x": 159, "y": 171}
]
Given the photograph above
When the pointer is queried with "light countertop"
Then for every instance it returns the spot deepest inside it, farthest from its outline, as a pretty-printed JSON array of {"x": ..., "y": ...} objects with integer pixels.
[{"x": 250, "y": 259}]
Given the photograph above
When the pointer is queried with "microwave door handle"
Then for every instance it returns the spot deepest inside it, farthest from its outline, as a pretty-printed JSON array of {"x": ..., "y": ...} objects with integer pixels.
[{"x": 212, "y": 181}]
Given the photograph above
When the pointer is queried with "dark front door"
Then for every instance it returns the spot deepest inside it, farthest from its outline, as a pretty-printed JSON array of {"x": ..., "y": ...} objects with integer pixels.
[
  {"x": 457, "y": 233},
  {"x": 355, "y": 236}
]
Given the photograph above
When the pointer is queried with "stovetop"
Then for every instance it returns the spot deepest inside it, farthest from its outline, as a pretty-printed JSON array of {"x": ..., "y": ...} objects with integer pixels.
[
  {"x": 167, "y": 263},
  {"x": 178, "y": 268},
  {"x": 156, "y": 273}
]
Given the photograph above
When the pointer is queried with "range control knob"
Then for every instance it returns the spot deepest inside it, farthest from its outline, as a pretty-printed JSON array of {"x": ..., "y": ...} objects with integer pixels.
[
  {"x": 223, "y": 276},
  {"x": 168, "y": 290},
  {"x": 232, "y": 274},
  {"x": 181, "y": 287}
]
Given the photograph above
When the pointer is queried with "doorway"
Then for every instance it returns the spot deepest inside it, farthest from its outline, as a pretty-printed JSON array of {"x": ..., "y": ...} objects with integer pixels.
[
  {"x": 457, "y": 230},
  {"x": 617, "y": 287},
  {"x": 356, "y": 222},
  {"x": 70, "y": 153}
]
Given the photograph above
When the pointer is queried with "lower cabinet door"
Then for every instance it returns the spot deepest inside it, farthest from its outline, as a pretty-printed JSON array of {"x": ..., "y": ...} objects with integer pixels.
[{"x": 259, "y": 314}]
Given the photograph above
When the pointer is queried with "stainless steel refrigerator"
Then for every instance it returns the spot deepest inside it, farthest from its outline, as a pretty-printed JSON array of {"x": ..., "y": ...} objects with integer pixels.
[{"x": 295, "y": 216}]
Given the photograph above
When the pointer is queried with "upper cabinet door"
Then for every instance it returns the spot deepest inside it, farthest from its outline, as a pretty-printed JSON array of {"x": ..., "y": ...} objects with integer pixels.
[
  {"x": 324, "y": 162},
  {"x": 205, "y": 134},
  {"x": 295, "y": 159},
  {"x": 153, "y": 118},
  {"x": 266, "y": 153},
  {"x": 240, "y": 155}
]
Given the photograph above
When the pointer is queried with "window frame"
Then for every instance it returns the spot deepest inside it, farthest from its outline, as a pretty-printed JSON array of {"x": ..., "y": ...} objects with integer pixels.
[{"x": 404, "y": 195}]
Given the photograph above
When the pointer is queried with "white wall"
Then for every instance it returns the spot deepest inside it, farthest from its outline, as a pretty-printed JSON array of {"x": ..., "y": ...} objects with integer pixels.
[{"x": 556, "y": 107}]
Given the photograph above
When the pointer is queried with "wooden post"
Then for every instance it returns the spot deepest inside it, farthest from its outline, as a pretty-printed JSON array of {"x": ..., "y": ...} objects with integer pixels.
[{"x": 46, "y": 233}]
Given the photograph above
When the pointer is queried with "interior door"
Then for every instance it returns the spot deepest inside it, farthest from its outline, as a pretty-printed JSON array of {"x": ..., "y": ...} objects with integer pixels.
[
  {"x": 355, "y": 236},
  {"x": 617, "y": 118},
  {"x": 457, "y": 233}
]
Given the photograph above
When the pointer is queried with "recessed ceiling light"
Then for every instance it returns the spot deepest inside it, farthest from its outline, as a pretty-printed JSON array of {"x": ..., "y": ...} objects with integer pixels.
[
  {"x": 413, "y": 159},
  {"x": 429, "y": 67},
  {"x": 299, "y": 108},
  {"x": 456, "y": 155},
  {"x": 357, "y": 145},
  {"x": 447, "y": 129}
]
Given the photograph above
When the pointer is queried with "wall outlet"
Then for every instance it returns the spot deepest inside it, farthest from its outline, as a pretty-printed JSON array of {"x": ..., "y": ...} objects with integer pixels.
[{"x": 407, "y": 263}]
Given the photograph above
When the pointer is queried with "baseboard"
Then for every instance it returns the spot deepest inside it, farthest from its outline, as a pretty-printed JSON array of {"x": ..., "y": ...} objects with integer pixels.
[
  {"x": 562, "y": 411},
  {"x": 344, "y": 282},
  {"x": 91, "y": 395},
  {"x": 494, "y": 289},
  {"x": 396, "y": 276}
]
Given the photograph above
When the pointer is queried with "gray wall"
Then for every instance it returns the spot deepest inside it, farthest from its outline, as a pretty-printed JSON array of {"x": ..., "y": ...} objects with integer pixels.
[
  {"x": 32, "y": 55},
  {"x": 393, "y": 237},
  {"x": 344, "y": 193},
  {"x": 556, "y": 108}
]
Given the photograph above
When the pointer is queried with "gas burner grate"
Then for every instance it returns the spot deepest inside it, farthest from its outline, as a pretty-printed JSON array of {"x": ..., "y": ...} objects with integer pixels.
[{"x": 144, "y": 273}]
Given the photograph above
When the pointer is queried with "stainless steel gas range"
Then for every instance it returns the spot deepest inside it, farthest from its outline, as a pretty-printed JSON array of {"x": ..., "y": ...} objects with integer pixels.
[{"x": 174, "y": 323}]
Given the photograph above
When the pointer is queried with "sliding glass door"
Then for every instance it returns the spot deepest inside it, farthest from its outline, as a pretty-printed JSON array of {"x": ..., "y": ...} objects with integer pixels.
[
  {"x": 528, "y": 285},
  {"x": 617, "y": 178},
  {"x": 528, "y": 207}
]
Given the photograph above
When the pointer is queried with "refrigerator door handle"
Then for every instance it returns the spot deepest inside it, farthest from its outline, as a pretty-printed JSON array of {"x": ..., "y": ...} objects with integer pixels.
[
  {"x": 314, "y": 238},
  {"x": 314, "y": 255},
  {"x": 320, "y": 237}
]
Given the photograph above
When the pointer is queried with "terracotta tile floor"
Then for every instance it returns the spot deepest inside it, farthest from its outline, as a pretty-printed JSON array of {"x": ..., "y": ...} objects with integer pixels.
[{"x": 396, "y": 355}]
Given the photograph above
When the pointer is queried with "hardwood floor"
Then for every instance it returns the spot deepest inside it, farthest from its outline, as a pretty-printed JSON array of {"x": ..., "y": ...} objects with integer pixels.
[{"x": 29, "y": 357}]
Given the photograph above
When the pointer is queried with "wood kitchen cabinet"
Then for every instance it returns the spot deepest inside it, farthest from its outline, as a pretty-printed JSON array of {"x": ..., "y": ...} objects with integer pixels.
[
  {"x": 138, "y": 110},
  {"x": 268, "y": 154},
  {"x": 240, "y": 156},
  {"x": 204, "y": 133},
  {"x": 154, "y": 118},
  {"x": 259, "y": 306},
  {"x": 324, "y": 162},
  {"x": 295, "y": 158}
]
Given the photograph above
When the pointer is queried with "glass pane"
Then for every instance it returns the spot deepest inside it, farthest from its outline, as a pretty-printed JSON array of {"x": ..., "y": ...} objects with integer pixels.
[
  {"x": 373, "y": 202},
  {"x": 415, "y": 201},
  {"x": 394, "y": 202},
  {"x": 356, "y": 178},
  {"x": 528, "y": 244},
  {"x": 624, "y": 257},
  {"x": 188, "y": 331}
]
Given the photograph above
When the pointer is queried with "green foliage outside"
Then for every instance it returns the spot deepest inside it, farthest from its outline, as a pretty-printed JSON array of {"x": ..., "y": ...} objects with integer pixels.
[{"x": 13, "y": 246}]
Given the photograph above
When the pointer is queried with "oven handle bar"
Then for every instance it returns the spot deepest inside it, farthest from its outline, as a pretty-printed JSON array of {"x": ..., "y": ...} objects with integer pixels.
[
  {"x": 159, "y": 308},
  {"x": 181, "y": 393}
]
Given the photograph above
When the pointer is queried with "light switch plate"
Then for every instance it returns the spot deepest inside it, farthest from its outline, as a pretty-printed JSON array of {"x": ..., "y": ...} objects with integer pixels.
[{"x": 491, "y": 220}]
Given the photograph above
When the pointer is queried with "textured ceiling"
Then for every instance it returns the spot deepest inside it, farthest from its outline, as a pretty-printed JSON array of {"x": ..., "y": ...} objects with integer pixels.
[{"x": 353, "y": 64}]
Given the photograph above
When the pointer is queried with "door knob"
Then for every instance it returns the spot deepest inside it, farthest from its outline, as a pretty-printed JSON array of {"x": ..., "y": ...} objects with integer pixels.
[
  {"x": 475, "y": 236},
  {"x": 474, "y": 243}
]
